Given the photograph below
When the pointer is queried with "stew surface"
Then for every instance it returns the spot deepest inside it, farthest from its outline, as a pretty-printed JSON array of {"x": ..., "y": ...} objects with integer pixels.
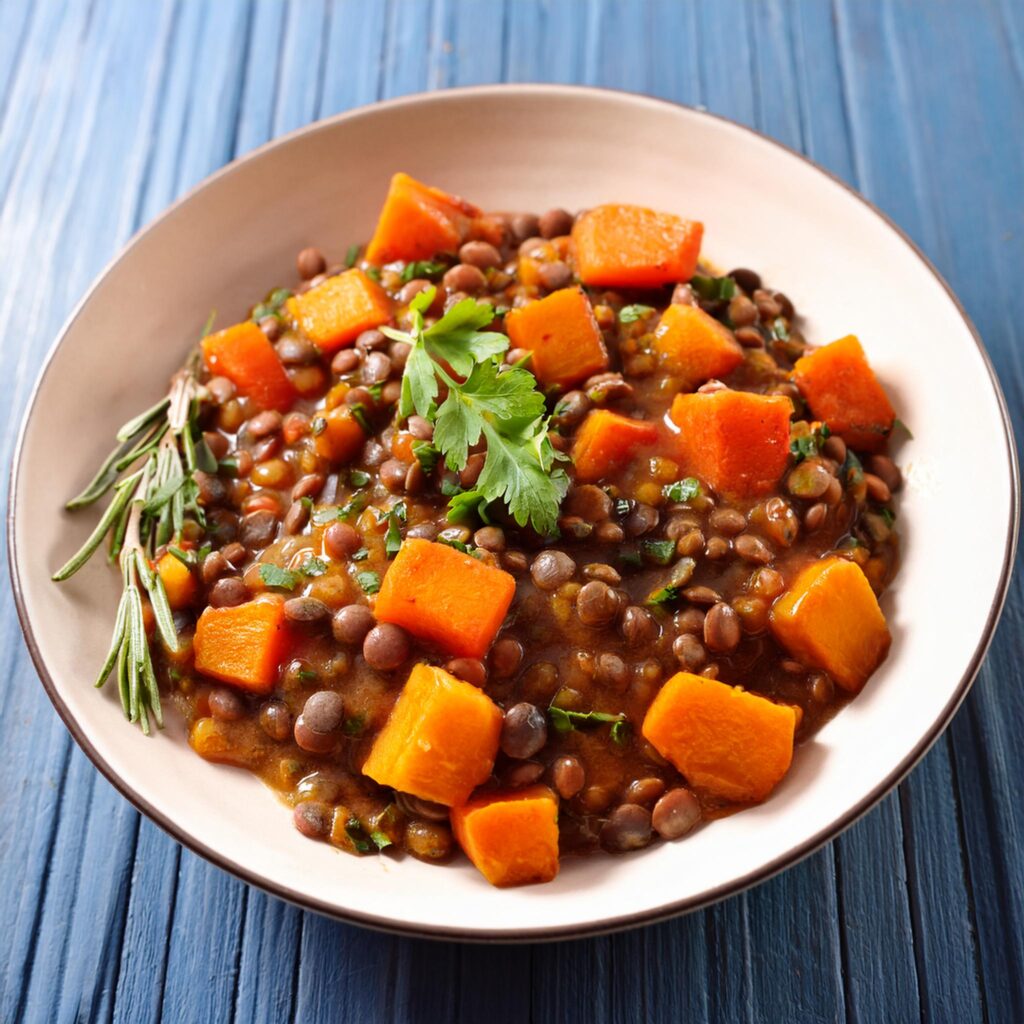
[{"x": 702, "y": 597}]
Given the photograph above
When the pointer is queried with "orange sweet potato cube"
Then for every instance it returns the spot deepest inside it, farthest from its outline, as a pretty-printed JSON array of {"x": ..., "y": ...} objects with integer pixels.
[
  {"x": 842, "y": 390},
  {"x": 445, "y": 596},
  {"x": 179, "y": 583},
  {"x": 244, "y": 355},
  {"x": 243, "y": 645},
  {"x": 830, "y": 619},
  {"x": 419, "y": 221},
  {"x": 335, "y": 313},
  {"x": 342, "y": 438},
  {"x": 440, "y": 740},
  {"x": 512, "y": 837},
  {"x": 619, "y": 246},
  {"x": 694, "y": 346},
  {"x": 562, "y": 333},
  {"x": 735, "y": 441},
  {"x": 733, "y": 744},
  {"x": 607, "y": 441}
]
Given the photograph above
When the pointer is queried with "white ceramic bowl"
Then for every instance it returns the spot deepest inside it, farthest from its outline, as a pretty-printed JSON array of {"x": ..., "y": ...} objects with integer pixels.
[{"x": 530, "y": 147}]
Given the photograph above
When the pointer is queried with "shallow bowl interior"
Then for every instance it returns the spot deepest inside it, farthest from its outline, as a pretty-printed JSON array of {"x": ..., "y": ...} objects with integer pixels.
[{"x": 527, "y": 148}]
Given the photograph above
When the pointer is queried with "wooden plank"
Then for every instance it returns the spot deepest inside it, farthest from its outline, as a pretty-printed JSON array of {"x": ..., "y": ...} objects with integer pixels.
[
  {"x": 466, "y": 42},
  {"x": 45, "y": 916}
]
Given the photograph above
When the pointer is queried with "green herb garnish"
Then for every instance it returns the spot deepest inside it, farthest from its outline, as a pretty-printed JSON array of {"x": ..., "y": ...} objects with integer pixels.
[
  {"x": 658, "y": 551},
  {"x": 361, "y": 555},
  {"x": 393, "y": 538},
  {"x": 359, "y": 478},
  {"x": 274, "y": 576},
  {"x": 682, "y": 490},
  {"x": 505, "y": 409},
  {"x": 426, "y": 455},
  {"x": 630, "y": 314},
  {"x": 354, "y": 726},
  {"x": 713, "y": 288},
  {"x": 563, "y": 721},
  {"x": 313, "y": 566},
  {"x": 780, "y": 329},
  {"x": 354, "y": 830},
  {"x": 307, "y": 675},
  {"x": 806, "y": 446},
  {"x": 352, "y": 255},
  {"x": 331, "y": 513},
  {"x": 317, "y": 425},
  {"x": 359, "y": 415},
  {"x": 429, "y": 269},
  {"x": 369, "y": 581},
  {"x": 466, "y": 506}
]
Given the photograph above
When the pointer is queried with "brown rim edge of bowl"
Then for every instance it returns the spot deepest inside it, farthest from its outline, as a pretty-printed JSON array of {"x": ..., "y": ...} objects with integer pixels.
[{"x": 623, "y": 921}]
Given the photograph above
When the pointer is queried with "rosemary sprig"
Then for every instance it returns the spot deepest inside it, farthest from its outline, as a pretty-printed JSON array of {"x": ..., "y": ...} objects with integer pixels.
[{"x": 148, "y": 510}]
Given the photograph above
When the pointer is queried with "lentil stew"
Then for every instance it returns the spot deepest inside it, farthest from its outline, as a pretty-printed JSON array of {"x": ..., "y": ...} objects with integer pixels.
[{"x": 522, "y": 535}]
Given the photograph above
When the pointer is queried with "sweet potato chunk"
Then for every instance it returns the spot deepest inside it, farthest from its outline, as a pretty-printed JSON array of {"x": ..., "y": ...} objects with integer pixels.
[
  {"x": 561, "y": 332},
  {"x": 694, "y": 346},
  {"x": 342, "y": 438},
  {"x": 605, "y": 441},
  {"x": 336, "y": 312},
  {"x": 243, "y": 645},
  {"x": 620, "y": 246},
  {"x": 734, "y": 744},
  {"x": 829, "y": 618},
  {"x": 842, "y": 390},
  {"x": 419, "y": 221},
  {"x": 243, "y": 354},
  {"x": 511, "y": 838},
  {"x": 440, "y": 741},
  {"x": 444, "y": 596},
  {"x": 178, "y": 581},
  {"x": 737, "y": 442}
]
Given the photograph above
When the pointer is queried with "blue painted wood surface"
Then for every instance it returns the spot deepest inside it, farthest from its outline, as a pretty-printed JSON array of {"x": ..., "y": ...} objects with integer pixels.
[{"x": 108, "y": 110}]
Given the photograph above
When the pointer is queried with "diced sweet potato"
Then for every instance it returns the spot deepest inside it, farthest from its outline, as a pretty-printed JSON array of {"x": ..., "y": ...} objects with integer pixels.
[
  {"x": 336, "y": 312},
  {"x": 178, "y": 581},
  {"x": 842, "y": 390},
  {"x": 829, "y": 618},
  {"x": 446, "y": 597},
  {"x": 735, "y": 441},
  {"x": 605, "y": 441},
  {"x": 419, "y": 221},
  {"x": 440, "y": 740},
  {"x": 561, "y": 332},
  {"x": 243, "y": 645},
  {"x": 733, "y": 744},
  {"x": 244, "y": 355},
  {"x": 511, "y": 838},
  {"x": 342, "y": 438},
  {"x": 694, "y": 346},
  {"x": 620, "y": 246}
]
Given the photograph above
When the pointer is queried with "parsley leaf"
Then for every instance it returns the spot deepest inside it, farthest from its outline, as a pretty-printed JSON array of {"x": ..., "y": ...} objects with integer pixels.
[
  {"x": 275, "y": 576},
  {"x": 361, "y": 555},
  {"x": 682, "y": 490},
  {"x": 712, "y": 288},
  {"x": 658, "y": 551},
  {"x": 630, "y": 314},
  {"x": 430, "y": 269},
  {"x": 313, "y": 566},
  {"x": 352, "y": 255},
  {"x": 331, "y": 513},
  {"x": 465, "y": 506},
  {"x": 426, "y": 455},
  {"x": 563, "y": 721},
  {"x": 369, "y": 581},
  {"x": 358, "y": 478},
  {"x": 393, "y": 538},
  {"x": 806, "y": 446},
  {"x": 354, "y": 726},
  {"x": 505, "y": 409}
]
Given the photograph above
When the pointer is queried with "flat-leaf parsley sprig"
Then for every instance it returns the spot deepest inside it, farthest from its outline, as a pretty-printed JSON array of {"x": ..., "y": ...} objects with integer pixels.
[{"x": 502, "y": 406}]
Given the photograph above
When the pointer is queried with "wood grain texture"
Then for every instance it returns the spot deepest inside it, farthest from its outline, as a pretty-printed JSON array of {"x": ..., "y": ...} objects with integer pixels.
[{"x": 109, "y": 110}]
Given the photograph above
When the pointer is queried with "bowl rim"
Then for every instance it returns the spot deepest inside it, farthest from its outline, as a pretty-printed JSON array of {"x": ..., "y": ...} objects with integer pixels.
[{"x": 545, "y": 933}]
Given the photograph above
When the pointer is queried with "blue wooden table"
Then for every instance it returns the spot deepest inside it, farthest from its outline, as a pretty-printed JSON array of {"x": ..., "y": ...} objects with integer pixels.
[{"x": 110, "y": 109}]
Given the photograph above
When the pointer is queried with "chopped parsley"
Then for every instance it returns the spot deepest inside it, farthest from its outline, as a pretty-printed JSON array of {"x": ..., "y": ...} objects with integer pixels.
[
  {"x": 467, "y": 506},
  {"x": 393, "y": 538},
  {"x": 638, "y": 311},
  {"x": 712, "y": 288},
  {"x": 352, "y": 255},
  {"x": 806, "y": 446},
  {"x": 332, "y": 513},
  {"x": 682, "y": 490},
  {"x": 317, "y": 425},
  {"x": 354, "y": 725},
  {"x": 426, "y": 455},
  {"x": 505, "y": 409},
  {"x": 429, "y": 269},
  {"x": 369, "y": 581},
  {"x": 658, "y": 551},
  {"x": 563, "y": 721},
  {"x": 359, "y": 478},
  {"x": 313, "y": 566},
  {"x": 275, "y": 576}
]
